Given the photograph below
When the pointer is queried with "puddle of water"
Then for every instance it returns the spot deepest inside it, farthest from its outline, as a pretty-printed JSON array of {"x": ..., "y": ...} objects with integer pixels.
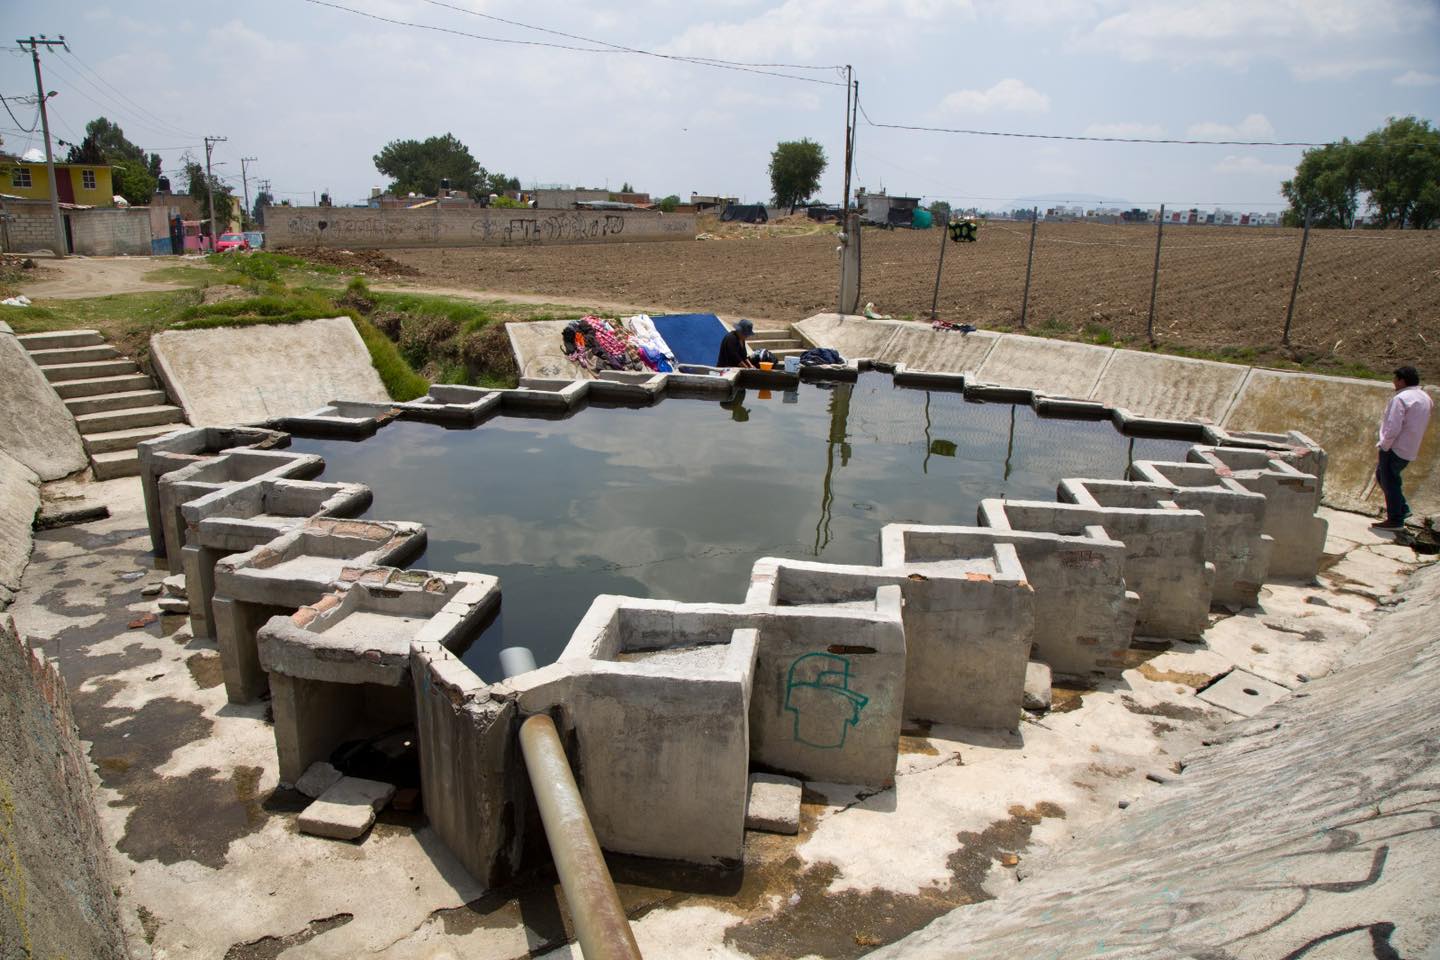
[{"x": 677, "y": 501}]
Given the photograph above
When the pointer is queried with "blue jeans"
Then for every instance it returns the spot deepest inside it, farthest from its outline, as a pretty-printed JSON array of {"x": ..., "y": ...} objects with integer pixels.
[{"x": 1387, "y": 474}]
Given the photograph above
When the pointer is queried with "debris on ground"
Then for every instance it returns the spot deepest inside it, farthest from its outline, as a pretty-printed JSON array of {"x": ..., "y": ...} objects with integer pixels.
[{"x": 369, "y": 262}]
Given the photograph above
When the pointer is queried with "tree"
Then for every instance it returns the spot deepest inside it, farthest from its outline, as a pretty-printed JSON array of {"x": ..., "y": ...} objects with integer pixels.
[
  {"x": 627, "y": 187},
  {"x": 795, "y": 169},
  {"x": 668, "y": 204},
  {"x": 105, "y": 144},
  {"x": 1395, "y": 168},
  {"x": 940, "y": 210},
  {"x": 499, "y": 184},
  {"x": 418, "y": 166},
  {"x": 262, "y": 200},
  {"x": 202, "y": 188}
]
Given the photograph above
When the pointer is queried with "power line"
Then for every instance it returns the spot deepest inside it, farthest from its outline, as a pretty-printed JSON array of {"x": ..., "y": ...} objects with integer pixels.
[
  {"x": 112, "y": 105},
  {"x": 624, "y": 49},
  {"x": 563, "y": 46},
  {"x": 145, "y": 111},
  {"x": 1061, "y": 136},
  {"x": 33, "y": 123}
]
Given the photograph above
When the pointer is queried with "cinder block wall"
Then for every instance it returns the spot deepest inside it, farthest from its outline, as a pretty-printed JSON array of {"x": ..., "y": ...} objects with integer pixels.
[
  {"x": 27, "y": 230},
  {"x": 110, "y": 233},
  {"x": 355, "y": 228}
]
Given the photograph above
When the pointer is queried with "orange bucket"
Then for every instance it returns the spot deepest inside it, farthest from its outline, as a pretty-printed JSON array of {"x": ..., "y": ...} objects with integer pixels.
[{"x": 766, "y": 365}]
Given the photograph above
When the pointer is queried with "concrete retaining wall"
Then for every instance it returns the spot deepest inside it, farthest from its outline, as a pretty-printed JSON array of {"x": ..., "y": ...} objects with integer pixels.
[
  {"x": 56, "y": 897},
  {"x": 1341, "y": 414},
  {"x": 241, "y": 375},
  {"x": 35, "y": 427},
  {"x": 358, "y": 229}
]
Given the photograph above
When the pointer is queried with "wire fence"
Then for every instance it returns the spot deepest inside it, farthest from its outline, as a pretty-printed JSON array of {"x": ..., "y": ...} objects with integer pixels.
[{"x": 1361, "y": 299}]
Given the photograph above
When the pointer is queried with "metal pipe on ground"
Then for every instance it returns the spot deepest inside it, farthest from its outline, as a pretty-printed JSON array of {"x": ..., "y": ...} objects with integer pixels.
[{"x": 601, "y": 926}]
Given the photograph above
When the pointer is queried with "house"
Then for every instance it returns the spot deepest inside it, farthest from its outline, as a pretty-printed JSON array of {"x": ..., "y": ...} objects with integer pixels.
[
  {"x": 883, "y": 208},
  {"x": 84, "y": 184}
]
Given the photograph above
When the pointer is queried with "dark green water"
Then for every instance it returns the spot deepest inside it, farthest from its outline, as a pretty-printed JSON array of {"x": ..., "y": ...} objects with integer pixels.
[{"x": 678, "y": 500}]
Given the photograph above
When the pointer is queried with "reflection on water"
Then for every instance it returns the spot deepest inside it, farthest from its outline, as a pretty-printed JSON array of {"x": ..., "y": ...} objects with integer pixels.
[{"x": 678, "y": 500}]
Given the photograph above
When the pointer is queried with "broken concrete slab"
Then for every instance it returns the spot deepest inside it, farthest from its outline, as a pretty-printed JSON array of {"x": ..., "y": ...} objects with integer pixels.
[
  {"x": 1037, "y": 686},
  {"x": 347, "y": 809},
  {"x": 1242, "y": 692},
  {"x": 774, "y": 805},
  {"x": 321, "y": 776},
  {"x": 174, "y": 585}
]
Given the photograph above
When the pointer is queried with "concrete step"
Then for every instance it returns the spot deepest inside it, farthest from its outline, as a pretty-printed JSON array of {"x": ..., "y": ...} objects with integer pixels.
[
  {"x": 121, "y": 463},
  {"x": 111, "y": 441},
  {"x": 64, "y": 355},
  {"x": 92, "y": 386},
  {"x": 782, "y": 354},
  {"x": 60, "y": 338},
  {"x": 772, "y": 335},
  {"x": 123, "y": 400},
  {"x": 90, "y": 370},
  {"x": 773, "y": 345},
  {"x": 107, "y": 420}
]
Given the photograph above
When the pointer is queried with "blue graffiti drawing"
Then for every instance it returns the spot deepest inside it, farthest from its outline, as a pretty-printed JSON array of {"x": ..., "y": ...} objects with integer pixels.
[{"x": 817, "y": 691}]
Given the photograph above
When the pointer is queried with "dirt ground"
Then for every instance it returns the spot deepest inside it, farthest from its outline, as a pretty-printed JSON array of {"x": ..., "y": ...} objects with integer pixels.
[{"x": 1366, "y": 299}]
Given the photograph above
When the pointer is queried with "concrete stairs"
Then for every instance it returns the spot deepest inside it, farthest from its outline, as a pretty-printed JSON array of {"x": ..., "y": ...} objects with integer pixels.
[
  {"x": 780, "y": 341},
  {"x": 115, "y": 406}
]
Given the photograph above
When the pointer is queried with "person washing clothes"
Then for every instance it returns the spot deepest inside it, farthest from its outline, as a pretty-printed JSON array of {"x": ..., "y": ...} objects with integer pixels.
[
  {"x": 732, "y": 348},
  {"x": 1401, "y": 430}
]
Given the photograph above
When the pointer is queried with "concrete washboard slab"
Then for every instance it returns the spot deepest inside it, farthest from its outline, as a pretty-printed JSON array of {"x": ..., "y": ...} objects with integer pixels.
[
  {"x": 1172, "y": 388},
  {"x": 1057, "y": 368},
  {"x": 269, "y": 371},
  {"x": 539, "y": 351}
]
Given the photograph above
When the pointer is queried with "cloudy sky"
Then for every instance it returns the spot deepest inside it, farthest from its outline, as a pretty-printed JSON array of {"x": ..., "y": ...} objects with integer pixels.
[{"x": 313, "y": 91}]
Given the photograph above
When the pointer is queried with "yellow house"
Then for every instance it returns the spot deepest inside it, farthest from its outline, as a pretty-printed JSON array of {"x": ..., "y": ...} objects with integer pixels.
[{"x": 82, "y": 183}]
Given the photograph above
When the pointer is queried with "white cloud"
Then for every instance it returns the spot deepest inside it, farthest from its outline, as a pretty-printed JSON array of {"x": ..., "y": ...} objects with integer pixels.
[
  {"x": 1414, "y": 78},
  {"x": 1008, "y": 95},
  {"x": 1250, "y": 165},
  {"x": 1340, "y": 68},
  {"x": 811, "y": 30},
  {"x": 1254, "y": 127},
  {"x": 1125, "y": 129}
]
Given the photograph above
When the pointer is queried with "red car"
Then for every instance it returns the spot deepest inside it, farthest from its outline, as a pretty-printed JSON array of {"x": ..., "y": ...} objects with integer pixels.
[{"x": 232, "y": 241}]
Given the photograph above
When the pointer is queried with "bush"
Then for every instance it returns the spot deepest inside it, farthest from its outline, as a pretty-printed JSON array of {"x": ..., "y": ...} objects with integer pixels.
[
  {"x": 425, "y": 340},
  {"x": 487, "y": 354},
  {"x": 401, "y": 382}
]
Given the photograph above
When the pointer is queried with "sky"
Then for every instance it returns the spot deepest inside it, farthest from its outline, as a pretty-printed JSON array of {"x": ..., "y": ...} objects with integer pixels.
[{"x": 312, "y": 91}]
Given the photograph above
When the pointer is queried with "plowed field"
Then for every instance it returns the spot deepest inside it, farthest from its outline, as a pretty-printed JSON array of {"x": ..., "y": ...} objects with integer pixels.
[{"x": 1367, "y": 298}]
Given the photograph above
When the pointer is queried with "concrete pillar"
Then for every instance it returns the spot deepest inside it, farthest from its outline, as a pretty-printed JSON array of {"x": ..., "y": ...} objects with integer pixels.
[
  {"x": 312, "y": 718},
  {"x": 236, "y": 624},
  {"x": 199, "y": 565},
  {"x": 850, "y": 266}
]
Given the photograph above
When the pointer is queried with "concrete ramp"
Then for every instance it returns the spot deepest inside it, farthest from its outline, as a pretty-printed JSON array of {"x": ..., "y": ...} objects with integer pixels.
[
  {"x": 852, "y": 336},
  {"x": 235, "y": 375},
  {"x": 1343, "y": 416},
  {"x": 1057, "y": 368},
  {"x": 35, "y": 427},
  {"x": 539, "y": 351},
  {"x": 920, "y": 347},
  {"x": 1171, "y": 388}
]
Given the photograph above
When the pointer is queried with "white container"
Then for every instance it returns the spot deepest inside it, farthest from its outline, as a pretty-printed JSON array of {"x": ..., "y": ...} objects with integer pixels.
[{"x": 792, "y": 364}]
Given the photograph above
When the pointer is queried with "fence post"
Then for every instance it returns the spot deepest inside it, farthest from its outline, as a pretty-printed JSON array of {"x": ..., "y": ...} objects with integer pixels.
[
  {"x": 1295, "y": 287},
  {"x": 935, "y": 300},
  {"x": 1155, "y": 277},
  {"x": 1029, "y": 260}
]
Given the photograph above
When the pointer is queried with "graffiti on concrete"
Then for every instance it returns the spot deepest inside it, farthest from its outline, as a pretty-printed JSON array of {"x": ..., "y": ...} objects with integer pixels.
[
  {"x": 431, "y": 227},
  {"x": 817, "y": 692}
]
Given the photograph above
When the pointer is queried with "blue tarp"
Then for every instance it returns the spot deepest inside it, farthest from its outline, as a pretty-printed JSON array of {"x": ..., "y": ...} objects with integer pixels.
[{"x": 692, "y": 337}]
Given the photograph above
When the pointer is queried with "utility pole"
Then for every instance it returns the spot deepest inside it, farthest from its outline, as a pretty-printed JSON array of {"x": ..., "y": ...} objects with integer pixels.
[
  {"x": 210, "y": 184},
  {"x": 245, "y": 180},
  {"x": 265, "y": 188},
  {"x": 35, "y": 45}
]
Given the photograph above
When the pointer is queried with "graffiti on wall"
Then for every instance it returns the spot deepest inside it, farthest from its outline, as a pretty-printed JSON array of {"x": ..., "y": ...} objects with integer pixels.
[
  {"x": 362, "y": 228},
  {"x": 817, "y": 692}
]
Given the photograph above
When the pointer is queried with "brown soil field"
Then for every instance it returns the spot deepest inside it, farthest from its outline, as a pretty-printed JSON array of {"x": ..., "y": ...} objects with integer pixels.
[{"x": 1368, "y": 300}]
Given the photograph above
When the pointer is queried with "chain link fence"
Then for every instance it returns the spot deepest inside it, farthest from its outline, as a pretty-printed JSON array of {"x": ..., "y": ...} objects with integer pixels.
[{"x": 1363, "y": 301}]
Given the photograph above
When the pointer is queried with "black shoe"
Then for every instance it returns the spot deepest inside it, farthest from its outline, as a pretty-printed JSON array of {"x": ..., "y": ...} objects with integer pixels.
[{"x": 1387, "y": 525}]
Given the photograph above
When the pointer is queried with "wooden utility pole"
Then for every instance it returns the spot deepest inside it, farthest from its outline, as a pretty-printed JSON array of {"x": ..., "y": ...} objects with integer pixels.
[
  {"x": 210, "y": 186},
  {"x": 245, "y": 181},
  {"x": 35, "y": 45},
  {"x": 1155, "y": 277}
]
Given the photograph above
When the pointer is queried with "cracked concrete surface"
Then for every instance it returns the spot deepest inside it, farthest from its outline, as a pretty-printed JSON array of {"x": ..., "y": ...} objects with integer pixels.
[{"x": 211, "y": 865}]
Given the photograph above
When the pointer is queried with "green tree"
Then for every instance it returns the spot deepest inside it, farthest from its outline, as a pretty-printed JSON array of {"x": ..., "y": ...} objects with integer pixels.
[
  {"x": 202, "y": 187},
  {"x": 627, "y": 187},
  {"x": 135, "y": 172},
  {"x": 795, "y": 169},
  {"x": 1396, "y": 169},
  {"x": 668, "y": 204},
  {"x": 500, "y": 184},
  {"x": 416, "y": 166},
  {"x": 940, "y": 210}
]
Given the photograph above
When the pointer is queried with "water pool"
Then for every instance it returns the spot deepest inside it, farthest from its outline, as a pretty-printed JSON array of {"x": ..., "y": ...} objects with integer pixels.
[{"x": 678, "y": 500}]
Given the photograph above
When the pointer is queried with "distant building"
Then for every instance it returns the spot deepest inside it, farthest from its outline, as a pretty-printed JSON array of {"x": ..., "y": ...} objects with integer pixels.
[
  {"x": 83, "y": 184},
  {"x": 702, "y": 202},
  {"x": 883, "y": 208}
]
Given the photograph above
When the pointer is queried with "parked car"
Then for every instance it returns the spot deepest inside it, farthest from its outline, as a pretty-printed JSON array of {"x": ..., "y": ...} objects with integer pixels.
[
  {"x": 232, "y": 242},
  {"x": 256, "y": 238}
]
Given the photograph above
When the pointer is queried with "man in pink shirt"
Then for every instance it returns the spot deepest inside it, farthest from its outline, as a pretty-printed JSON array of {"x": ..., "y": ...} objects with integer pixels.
[{"x": 1401, "y": 430}]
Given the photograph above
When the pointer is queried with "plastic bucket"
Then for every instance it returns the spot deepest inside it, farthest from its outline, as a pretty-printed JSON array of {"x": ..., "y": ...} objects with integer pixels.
[
  {"x": 766, "y": 364},
  {"x": 792, "y": 364}
]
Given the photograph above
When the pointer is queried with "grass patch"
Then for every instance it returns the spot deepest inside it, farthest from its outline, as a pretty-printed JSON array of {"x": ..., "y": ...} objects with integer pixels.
[{"x": 401, "y": 382}]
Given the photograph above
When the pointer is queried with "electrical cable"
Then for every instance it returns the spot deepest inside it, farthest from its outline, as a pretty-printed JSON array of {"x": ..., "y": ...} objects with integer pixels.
[
  {"x": 561, "y": 46},
  {"x": 121, "y": 94},
  {"x": 35, "y": 123},
  {"x": 1060, "y": 136},
  {"x": 111, "y": 104},
  {"x": 712, "y": 61}
]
